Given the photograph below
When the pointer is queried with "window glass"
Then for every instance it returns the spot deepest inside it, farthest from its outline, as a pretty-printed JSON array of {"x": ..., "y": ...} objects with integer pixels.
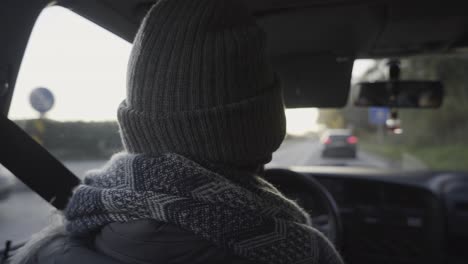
[
  {"x": 77, "y": 69},
  {"x": 415, "y": 139}
]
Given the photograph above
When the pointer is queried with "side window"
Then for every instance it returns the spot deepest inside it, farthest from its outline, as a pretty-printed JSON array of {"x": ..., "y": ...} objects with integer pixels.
[{"x": 71, "y": 80}]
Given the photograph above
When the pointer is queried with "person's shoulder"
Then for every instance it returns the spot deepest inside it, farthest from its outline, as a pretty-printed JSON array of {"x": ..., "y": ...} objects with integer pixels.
[
  {"x": 151, "y": 241},
  {"x": 140, "y": 241}
]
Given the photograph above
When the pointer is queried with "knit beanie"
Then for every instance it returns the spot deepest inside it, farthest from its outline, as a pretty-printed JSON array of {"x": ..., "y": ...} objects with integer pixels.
[{"x": 199, "y": 85}]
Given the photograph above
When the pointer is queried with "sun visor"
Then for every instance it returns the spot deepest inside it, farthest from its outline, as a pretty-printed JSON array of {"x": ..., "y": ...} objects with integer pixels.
[{"x": 314, "y": 80}]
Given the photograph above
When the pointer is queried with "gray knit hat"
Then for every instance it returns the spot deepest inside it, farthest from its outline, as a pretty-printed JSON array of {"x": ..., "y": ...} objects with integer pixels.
[{"x": 199, "y": 85}]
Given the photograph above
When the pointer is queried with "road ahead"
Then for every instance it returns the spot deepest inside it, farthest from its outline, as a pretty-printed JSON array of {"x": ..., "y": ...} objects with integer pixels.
[
  {"x": 24, "y": 213},
  {"x": 307, "y": 152}
]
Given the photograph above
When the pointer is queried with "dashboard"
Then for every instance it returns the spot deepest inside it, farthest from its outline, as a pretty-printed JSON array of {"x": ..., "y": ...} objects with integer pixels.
[{"x": 388, "y": 218}]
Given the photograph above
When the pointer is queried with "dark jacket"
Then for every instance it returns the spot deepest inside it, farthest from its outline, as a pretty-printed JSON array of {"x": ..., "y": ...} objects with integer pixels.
[{"x": 143, "y": 241}]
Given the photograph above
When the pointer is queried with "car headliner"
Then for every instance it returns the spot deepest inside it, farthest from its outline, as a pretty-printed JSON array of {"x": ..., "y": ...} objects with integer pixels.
[{"x": 312, "y": 43}]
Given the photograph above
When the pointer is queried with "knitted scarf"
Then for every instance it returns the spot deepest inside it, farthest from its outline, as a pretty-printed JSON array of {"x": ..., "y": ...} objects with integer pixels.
[{"x": 244, "y": 215}]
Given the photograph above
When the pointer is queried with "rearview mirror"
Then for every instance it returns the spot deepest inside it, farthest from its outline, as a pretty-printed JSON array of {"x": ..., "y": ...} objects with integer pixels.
[{"x": 400, "y": 94}]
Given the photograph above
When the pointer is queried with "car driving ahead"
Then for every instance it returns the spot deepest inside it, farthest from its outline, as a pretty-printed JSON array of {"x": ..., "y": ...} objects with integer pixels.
[
  {"x": 393, "y": 71},
  {"x": 339, "y": 143}
]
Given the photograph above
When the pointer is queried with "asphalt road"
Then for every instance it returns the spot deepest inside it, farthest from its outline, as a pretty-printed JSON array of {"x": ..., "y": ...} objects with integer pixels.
[
  {"x": 308, "y": 152},
  {"x": 25, "y": 213}
]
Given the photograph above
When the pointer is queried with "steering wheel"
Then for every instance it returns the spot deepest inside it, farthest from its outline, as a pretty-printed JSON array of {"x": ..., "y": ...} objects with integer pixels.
[{"x": 295, "y": 185}]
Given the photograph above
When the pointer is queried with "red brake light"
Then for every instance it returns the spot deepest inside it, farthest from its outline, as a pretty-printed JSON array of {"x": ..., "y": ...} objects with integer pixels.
[
  {"x": 327, "y": 141},
  {"x": 352, "y": 140}
]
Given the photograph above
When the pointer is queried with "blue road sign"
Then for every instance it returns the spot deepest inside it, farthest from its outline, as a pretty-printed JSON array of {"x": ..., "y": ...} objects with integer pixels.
[
  {"x": 42, "y": 100},
  {"x": 378, "y": 115}
]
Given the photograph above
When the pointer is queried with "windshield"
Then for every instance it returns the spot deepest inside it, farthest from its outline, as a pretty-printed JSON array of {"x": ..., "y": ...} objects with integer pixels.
[
  {"x": 72, "y": 79},
  {"x": 426, "y": 139}
]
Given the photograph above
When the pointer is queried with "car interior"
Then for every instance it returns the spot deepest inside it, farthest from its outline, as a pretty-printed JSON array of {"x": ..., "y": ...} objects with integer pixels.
[{"x": 371, "y": 215}]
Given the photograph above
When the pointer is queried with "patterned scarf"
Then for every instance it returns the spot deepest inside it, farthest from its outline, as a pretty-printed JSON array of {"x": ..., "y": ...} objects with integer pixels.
[{"x": 244, "y": 215}]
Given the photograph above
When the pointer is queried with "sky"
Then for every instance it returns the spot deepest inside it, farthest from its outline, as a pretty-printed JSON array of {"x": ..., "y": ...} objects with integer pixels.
[{"x": 85, "y": 68}]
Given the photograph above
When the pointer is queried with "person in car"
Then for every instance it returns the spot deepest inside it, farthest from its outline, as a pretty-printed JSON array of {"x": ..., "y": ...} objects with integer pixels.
[{"x": 203, "y": 114}]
